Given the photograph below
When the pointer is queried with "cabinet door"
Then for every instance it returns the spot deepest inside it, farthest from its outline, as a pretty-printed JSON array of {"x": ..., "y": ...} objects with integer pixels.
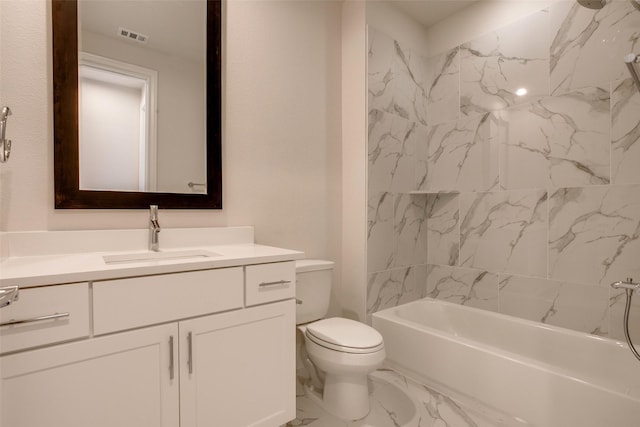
[
  {"x": 115, "y": 381},
  {"x": 242, "y": 370}
]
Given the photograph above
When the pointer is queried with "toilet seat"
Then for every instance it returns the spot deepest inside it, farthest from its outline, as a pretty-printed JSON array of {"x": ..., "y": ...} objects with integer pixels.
[{"x": 345, "y": 335}]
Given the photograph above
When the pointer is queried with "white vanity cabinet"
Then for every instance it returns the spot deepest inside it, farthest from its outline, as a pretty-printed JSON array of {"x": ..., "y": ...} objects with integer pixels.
[
  {"x": 240, "y": 370},
  {"x": 118, "y": 380},
  {"x": 180, "y": 349}
]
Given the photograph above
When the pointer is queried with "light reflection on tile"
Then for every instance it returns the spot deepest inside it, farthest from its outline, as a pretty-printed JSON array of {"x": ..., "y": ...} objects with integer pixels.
[
  {"x": 493, "y": 67},
  {"x": 557, "y": 141},
  {"x": 588, "y": 45}
]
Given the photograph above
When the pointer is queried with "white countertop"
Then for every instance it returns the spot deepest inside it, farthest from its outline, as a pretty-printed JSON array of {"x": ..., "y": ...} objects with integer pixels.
[
  {"x": 58, "y": 268},
  {"x": 44, "y": 270}
]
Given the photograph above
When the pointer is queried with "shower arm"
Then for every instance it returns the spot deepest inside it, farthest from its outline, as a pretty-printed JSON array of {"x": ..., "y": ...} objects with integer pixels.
[{"x": 630, "y": 60}]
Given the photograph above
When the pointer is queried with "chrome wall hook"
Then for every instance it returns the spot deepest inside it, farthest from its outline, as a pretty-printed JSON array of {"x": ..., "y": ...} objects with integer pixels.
[{"x": 5, "y": 144}]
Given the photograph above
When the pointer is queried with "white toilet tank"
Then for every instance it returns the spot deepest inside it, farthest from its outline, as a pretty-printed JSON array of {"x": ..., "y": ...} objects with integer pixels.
[{"x": 313, "y": 289}]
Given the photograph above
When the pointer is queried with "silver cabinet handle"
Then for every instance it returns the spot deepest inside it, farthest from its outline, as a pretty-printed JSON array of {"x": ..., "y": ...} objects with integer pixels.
[
  {"x": 190, "y": 356},
  {"x": 171, "y": 369},
  {"x": 35, "y": 319},
  {"x": 276, "y": 283},
  {"x": 8, "y": 295}
]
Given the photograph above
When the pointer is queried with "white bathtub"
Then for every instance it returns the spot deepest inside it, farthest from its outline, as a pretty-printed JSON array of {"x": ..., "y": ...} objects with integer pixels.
[{"x": 543, "y": 375}]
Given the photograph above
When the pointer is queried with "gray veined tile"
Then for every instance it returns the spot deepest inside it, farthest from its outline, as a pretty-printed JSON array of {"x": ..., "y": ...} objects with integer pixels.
[
  {"x": 558, "y": 141},
  {"x": 594, "y": 234},
  {"x": 380, "y": 232},
  {"x": 391, "y": 288},
  {"x": 380, "y": 70},
  {"x": 471, "y": 287},
  {"x": 463, "y": 155},
  {"x": 410, "y": 226},
  {"x": 588, "y": 45},
  {"x": 504, "y": 231},
  {"x": 391, "y": 151},
  {"x": 410, "y": 89},
  {"x": 443, "y": 229},
  {"x": 617, "y": 302},
  {"x": 625, "y": 133},
  {"x": 495, "y": 66},
  {"x": 421, "y": 164},
  {"x": 579, "y": 307},
  {"x": 443, "y": 73}
]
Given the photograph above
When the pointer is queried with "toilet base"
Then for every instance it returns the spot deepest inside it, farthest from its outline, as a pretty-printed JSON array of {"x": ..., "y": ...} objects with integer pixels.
[{"x": 345, "y": 396}]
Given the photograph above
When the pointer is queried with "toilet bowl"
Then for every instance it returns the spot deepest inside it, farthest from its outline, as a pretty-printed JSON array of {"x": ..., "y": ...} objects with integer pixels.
[{"x": 340, "y": 353}]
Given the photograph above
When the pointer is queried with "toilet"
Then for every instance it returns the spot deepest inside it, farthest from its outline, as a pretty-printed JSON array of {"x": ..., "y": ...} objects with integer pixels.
[{"x": 338, "y": 353}]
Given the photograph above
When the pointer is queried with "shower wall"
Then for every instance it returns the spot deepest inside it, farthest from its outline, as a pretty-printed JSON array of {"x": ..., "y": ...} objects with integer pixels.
[{"x": 481, "y": 194}]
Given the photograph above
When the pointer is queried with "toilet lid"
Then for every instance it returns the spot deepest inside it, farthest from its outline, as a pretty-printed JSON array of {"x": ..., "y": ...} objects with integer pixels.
[{"x": 344, "y": 334}]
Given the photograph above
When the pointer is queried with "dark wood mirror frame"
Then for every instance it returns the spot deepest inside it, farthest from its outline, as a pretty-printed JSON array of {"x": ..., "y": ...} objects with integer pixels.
[{"x": 65, "y": 124}]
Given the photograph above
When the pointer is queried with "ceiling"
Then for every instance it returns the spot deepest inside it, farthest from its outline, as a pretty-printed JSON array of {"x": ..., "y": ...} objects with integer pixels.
[
  {"x": 429, "y": 12},
  {"x": 175, "y": 27}
]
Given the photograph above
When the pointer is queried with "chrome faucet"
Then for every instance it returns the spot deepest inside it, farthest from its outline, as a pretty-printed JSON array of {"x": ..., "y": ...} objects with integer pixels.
[{"x": 154, "y": 228}]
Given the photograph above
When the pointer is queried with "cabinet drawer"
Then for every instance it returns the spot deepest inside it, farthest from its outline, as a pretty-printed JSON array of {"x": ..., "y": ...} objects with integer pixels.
[
  {"x": 64, "y": 311},
  {"x": 270, "y": 282},
  {"x": 138, "y": 301}
]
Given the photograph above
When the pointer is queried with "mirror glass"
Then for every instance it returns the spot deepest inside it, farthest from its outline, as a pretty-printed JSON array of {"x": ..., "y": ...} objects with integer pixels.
[
  {"x": 137, "y": 103},
  {"x": 141, "y": 87}
]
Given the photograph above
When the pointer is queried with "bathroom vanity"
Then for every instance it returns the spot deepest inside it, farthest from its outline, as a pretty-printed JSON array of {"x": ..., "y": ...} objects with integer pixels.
[{"x": 105, "y": 333}]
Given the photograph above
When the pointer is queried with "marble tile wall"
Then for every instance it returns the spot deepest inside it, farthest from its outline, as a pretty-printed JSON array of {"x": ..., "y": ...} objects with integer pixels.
[{"x": 527, "y": 205}]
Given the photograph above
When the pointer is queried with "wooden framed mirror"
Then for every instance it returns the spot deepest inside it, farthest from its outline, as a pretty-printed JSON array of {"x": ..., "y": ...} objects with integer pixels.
[{"x": 72, "y": 190}]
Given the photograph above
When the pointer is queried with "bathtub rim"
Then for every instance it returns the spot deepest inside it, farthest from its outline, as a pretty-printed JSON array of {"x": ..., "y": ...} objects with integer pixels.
[{"x": 390, "y": 315}]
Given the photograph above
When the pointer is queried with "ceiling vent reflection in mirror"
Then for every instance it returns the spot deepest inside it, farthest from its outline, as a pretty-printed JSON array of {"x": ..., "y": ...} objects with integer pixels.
[{"x": 132, "y": 35}]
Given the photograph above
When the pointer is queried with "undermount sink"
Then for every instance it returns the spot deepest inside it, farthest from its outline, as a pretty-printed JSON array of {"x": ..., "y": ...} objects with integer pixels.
[{"x": 158, "y": 256}]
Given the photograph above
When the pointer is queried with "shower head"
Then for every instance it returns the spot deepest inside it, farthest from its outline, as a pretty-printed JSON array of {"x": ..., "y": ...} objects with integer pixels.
[{"x": 593, "y": 4}]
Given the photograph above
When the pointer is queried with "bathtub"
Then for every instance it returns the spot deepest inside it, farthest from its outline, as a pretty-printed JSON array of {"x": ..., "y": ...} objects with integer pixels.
[{"x": 539, "y": 375}]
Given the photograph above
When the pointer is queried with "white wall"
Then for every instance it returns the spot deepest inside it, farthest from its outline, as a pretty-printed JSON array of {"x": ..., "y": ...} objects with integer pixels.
[
  {"x": 479, "y": 18},
  {"x": 281, "y": 148},
  {"x": 393, "y": 21},
  {"x": 353, "y": 292}
]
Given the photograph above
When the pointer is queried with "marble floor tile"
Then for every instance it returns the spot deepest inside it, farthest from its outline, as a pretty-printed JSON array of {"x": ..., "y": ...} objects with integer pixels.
[{"x": 399, "y": 401}]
